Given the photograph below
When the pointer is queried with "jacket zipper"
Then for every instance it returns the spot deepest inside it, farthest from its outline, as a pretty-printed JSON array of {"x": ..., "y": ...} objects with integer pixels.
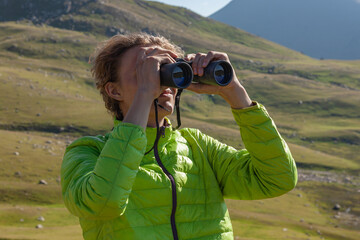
[{"x": 173, "y": 185}]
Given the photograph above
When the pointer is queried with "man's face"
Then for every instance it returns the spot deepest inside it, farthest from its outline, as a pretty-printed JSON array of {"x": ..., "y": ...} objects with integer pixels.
[{"x": 128, "y": 84}]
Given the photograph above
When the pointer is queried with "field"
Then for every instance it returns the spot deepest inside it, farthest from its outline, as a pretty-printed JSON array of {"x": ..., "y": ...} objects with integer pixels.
[{"x": 48, "y": 99}]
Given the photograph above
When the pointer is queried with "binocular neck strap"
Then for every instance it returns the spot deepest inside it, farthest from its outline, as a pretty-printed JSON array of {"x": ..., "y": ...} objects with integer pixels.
[
  {"x": 177, "y": 105},
  {"x": 157, "y": 125}
]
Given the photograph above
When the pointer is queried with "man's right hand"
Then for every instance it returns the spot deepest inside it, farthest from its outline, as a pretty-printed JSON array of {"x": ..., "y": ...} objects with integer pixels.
[
  {"x": 148, "y": 65},
  {"x": 148, "y": 62}
]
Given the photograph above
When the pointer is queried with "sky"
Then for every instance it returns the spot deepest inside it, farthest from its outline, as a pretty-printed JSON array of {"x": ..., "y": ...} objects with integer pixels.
[{"x": 203, "y": 7}]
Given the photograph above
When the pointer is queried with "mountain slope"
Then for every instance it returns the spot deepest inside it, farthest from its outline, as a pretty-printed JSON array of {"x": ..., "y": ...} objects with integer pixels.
[
  {"x": 321, "y": 29},
  {"x": 291, "y": 85},
  {"x": 48, "y": 99},
  {"x": 45, "y": 66}
]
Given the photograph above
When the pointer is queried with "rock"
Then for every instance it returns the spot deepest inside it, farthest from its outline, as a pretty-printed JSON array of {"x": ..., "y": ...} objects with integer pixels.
[
  {"x": 318, "y": 232},
  {"x": 348, "y": 210},
  {"x": 347, "y": 180},
  {"x": 39, "y": 226},
  {"x": 17, "y": 174},
  {"x": 271, "y": 70},
  {"x": 284, "y": 229},
  {"x": 336, "y": 207},
  {"x": 21, "y": 220},
  {"x": 299, "y": 195},
  {"x": 301, "y": 220},
  {"x": 300, "y": 102},
  {"x": 49, "y": 142},
  {"x": 41, "y": 219},
  {"x": 38, "y": 114},
  {"x": 16, "y": 153},
  {"x": 42, "y": 181}
]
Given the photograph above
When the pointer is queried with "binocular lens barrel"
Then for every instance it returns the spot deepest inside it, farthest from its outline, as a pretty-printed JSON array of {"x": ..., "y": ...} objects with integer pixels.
[
  {"x": 216, "y": 73},
  {"x": 180, "y": 74},
  {"x": 219, "y": 74}
]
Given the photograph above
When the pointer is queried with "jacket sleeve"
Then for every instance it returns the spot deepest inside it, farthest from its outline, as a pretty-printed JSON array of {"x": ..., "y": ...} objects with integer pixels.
[
  {"x": 264, "y": 169},
  {"x": 96, "y": 184}
]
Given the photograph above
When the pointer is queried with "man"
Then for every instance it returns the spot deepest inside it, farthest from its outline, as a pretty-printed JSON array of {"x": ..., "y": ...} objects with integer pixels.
[{"x": 138, "y": 182}]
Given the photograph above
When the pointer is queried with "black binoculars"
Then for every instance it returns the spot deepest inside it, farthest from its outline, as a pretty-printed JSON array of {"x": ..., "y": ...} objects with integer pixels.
[{"x": 180, "y": 74}]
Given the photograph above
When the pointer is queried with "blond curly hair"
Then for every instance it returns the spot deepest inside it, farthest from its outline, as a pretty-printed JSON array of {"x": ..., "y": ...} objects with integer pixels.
[{"x": 105, "y": 61}]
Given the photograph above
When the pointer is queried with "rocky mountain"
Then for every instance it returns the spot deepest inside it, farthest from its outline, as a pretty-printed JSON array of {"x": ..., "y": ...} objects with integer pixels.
[{"x": 321, "y": 29}]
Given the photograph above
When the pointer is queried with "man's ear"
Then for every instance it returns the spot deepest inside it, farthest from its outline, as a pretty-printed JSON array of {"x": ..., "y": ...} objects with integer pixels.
[{"x": 113, "y": 91}]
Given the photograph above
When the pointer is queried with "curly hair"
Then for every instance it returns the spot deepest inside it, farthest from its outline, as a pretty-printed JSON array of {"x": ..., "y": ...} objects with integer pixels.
[{"x": 105, "y": 61}]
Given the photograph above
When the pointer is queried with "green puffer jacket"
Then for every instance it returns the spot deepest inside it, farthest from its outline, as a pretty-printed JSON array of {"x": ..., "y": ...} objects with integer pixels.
[{"x": 118, "y": 193}]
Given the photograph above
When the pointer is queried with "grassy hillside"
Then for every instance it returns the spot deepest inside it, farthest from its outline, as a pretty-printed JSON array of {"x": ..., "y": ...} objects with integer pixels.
[{"x": 48, "y": 99}]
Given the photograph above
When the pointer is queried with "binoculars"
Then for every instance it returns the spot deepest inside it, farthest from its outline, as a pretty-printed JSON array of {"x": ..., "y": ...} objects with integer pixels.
[{"x": 180, "y": 74}]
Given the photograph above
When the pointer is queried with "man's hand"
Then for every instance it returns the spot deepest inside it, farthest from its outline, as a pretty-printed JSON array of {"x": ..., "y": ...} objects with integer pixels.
[
  {"x": 148, "y": 65},
  {"x": 147, "y": 69},
  {"x": 234, "y": 93}
]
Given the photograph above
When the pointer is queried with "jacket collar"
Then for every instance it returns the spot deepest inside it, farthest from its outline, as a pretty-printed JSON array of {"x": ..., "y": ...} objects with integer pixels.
[{"x": 151, "y": 133}]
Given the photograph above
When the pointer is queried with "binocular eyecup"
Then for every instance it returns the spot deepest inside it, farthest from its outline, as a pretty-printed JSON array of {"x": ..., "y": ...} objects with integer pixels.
[{"x": 180, "y": 74}]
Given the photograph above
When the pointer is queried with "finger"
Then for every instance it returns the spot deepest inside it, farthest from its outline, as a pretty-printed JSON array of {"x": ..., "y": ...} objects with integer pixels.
[
  {"x": 158, "y": 50},
  {"x": 165, "y": 58},
  {"x": 208, "y": 58},
  {"x": 212, "y": 55},
  {"x": 157, "y": 60},
  {"x": 196, "y": 62},
  {"x": 189, "y": 57},
  {"x": 141, "y": 57},
  {"x": 200, "y": 66}
]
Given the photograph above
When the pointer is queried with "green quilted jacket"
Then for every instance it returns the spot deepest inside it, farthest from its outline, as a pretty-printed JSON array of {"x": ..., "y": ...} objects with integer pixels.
[{"x": 119, "y": 193}]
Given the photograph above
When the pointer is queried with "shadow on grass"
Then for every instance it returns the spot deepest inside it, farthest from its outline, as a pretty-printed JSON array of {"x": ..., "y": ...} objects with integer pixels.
[
  {"x": 49, "y": 128},
  {"x": 313, "y": 166}
]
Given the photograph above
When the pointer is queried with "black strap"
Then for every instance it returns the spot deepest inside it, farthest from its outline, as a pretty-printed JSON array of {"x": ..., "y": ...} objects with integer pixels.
[
  {"x": 177, "y": 105},
  {"x": 157, "y": 124}
]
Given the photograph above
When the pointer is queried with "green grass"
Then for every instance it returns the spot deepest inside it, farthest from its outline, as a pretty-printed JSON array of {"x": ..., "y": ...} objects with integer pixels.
[
  {"x": 47, "y": 93},
  {"x": 300, "y": 216}
]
